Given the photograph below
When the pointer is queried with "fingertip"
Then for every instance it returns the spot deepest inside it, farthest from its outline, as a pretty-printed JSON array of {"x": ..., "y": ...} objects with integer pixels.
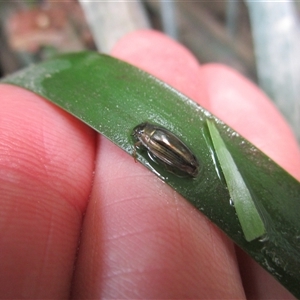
[
  {"x": 166, "y": 59},
  {"x": 46, "y": 164},
  {"x": 243, "y": 106},
  {"x": 44, "y": 140},
  {"x": 132, "y": 225}
]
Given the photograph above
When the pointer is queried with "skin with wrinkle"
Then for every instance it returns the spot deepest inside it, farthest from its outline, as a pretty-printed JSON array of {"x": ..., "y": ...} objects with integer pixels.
[{"x": 138, "y": 238}]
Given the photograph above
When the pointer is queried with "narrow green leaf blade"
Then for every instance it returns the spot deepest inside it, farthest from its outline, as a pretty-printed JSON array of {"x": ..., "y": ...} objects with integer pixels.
[
  {"x": 113, "y": 97},
  {"x": 251, "y": 222}
]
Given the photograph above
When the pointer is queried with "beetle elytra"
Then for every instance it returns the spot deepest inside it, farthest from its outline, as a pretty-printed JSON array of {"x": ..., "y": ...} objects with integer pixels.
[{"x": 166, "y": 148}]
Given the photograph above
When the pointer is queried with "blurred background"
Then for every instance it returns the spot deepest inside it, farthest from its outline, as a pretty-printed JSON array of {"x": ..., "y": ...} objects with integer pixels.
[{"x": 260, "y": 39}]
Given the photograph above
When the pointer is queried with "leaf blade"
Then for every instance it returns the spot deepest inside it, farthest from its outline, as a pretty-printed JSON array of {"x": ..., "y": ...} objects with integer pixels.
[
  {"x": 113, "y": 97},
  {"x": 251, "y": 222}
]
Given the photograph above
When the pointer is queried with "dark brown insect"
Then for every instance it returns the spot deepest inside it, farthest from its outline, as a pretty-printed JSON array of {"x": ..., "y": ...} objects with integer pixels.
[{"x": 166, "y": 148}]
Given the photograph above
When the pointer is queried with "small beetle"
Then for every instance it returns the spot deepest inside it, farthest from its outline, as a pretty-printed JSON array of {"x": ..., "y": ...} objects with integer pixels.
[{"x": 167, "y": 148}]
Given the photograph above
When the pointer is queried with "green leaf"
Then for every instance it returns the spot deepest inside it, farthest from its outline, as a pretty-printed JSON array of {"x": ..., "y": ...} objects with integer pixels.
[
  {"x": 113, "y": 97},
  {"x": 251, "y": 222}
]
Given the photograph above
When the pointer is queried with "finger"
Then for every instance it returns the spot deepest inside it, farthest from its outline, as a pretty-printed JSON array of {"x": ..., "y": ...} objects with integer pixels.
[
  {"x": 139, "y": 238},
  {"x": 247, "y": 109},
  {"x": 46, "y": 164},
  {"x": 177, "y": 67}
]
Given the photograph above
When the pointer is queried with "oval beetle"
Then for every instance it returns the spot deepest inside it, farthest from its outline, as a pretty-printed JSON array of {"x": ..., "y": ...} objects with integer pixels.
[{"x": 166, "y": 148}]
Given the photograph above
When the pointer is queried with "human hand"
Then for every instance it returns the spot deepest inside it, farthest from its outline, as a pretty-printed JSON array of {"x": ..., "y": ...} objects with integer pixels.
[{"x": 138, "y": 237}]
